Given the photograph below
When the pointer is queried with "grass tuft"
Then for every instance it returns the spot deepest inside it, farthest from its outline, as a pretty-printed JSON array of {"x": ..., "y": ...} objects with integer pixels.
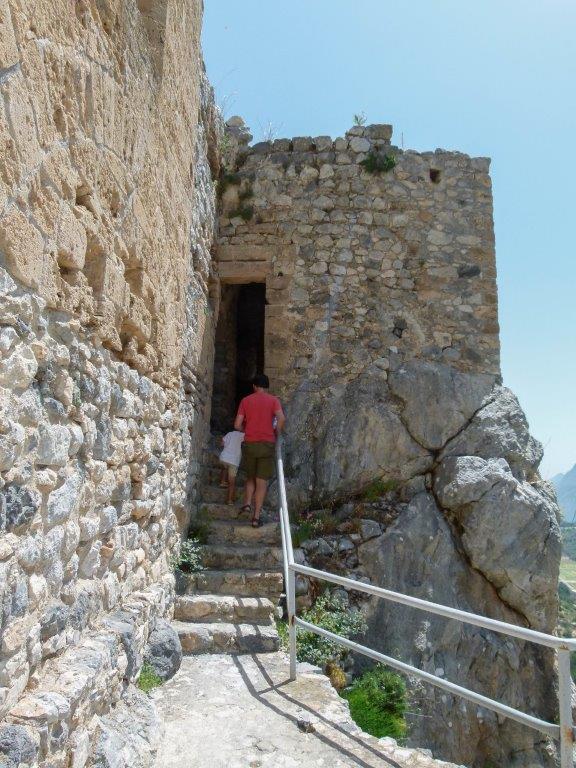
[
  {"x": 377, "y": 489},
  {"x": 377, "y": 702},
  {"x": 374, "y": 162},
  {"x": 148, "y": 679}
]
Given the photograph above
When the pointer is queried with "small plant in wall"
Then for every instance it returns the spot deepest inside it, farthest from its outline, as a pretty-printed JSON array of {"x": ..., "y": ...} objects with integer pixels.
[
  {"x": 360, "y": 119},
  {"x": 148, "y": 679},
  {"x": 227, "y": 180},
  {"x": 189, "y": 559},
  {"x": 374, "y": 162}
]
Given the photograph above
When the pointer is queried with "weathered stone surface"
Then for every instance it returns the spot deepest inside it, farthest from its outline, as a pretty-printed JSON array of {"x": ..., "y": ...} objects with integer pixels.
[
  {"x": 129, "y": 736},
  {"x": 53, "y": 445},
  {"x": 17, "y": 746},
  {"x": 465, "y": 479},
  {"x": 64, "y": 501},
  {"x": 265, "y": 728},
  {"x": 102, "y": 285},
  {"x": 441, "y": 574},
  {"x": 54, "y": 620},
  {"x": 359, "y": 438},
  {"x": 499, "y": 429},
  {"x": 18, "y": 507},
  {"x": 438, "y": 400},
  {"x": 164, "y": 651},
  {"x": 509, "y": 531}
]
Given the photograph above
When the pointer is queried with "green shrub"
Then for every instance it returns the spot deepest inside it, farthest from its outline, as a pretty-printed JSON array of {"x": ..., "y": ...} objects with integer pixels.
[
  {"x": 377, "y": 702},
  {"x": 245, "y": 194},
  {"x": 244, "y": 211},
  {"x": 377, "y": 489},
  {"x": 374, "y": 162},
  {"x": 199, "y": 530},
  {"x": 148, "y": 679},
  {"x": 227, "y": 180},
  {"x": 331, "y": 613},
  {"x": 315, "y": 525},
  {"x": 303, "y": 532},
  {"x": 360, "y": 119},
  {"x": 189, "y": 558}
]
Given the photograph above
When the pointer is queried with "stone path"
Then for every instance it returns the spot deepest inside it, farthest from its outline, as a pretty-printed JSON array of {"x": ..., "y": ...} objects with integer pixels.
[
  {"x": 222, "y": 711},
  {"x": 229, "y": 607}
]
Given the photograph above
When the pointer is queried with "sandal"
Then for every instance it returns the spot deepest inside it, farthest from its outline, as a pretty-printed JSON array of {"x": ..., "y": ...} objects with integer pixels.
[
  {"x": 244, "y": 508},
  {"x": 256, "y": 522}
]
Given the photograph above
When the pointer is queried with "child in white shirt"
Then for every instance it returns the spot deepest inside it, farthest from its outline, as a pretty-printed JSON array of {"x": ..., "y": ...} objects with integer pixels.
[{"x": 230, "y": 459}]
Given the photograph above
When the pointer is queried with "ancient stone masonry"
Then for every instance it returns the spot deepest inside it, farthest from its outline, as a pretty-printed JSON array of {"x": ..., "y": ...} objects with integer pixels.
[
  {"x": 380, "y": 333},
  {"x": 107, "y": 215},
  {"x": 382, "y": 338}
]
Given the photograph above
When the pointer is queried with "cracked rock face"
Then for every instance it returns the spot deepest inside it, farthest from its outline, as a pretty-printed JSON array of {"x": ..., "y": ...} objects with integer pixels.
[
  {"x": 438, "y": 400},
  {"x": 509, "y": 531},
  {"x": 480, "y": 532},
  {"x": 421, "y": 555}
]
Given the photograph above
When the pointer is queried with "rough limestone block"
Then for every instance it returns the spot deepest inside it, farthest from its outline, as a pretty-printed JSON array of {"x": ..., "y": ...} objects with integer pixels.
[
  {"x": 53, "y": 445},
  {"x": 23, "y": 247},
  {"x": 18, "y": 745},
  {"x": 164, "y": 650},
  {"x": 71, "y": 240},
  {"x": 64, "y": 501}
]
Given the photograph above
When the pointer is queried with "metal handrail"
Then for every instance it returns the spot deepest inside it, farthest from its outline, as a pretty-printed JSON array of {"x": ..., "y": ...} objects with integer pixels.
[{"x": 564, "y": 732}]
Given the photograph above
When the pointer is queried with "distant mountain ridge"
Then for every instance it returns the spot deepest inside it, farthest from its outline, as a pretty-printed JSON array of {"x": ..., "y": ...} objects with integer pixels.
[{"x": 565, "y": 485}]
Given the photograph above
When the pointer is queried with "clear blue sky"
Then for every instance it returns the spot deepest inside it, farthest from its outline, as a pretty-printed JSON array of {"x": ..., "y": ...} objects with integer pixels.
[{"x": 495, "y": 78}]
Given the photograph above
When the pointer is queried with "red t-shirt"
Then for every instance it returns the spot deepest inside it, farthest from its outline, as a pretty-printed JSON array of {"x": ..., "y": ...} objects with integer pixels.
[{"x": 259, "y": 410}]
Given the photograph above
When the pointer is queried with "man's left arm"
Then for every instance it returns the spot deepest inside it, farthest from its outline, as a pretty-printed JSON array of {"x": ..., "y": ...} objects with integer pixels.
[
  {"x": 240, "y": 418},
  {"x": 280, "y": 418}
]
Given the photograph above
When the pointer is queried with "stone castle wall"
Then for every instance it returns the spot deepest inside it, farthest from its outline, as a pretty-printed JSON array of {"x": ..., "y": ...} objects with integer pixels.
[
  {"x": 381, "y": 336},
  {"x": 382, "y": 339},
  {"x": 107, "y": 216},
  {"x": 365, "y": 266},
  {"x": 362, "y": 270}
]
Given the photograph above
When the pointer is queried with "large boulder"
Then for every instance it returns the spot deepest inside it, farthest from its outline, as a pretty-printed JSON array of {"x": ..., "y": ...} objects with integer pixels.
[
  {"x": 499, "y": 430},
  {"x": 351, "y": 438},
  {"x": 420, "y": 555},
  {"x": 164, "y": 651},
  {"x": 509, "y": 531},
  {"x": 437, "y": 399}
]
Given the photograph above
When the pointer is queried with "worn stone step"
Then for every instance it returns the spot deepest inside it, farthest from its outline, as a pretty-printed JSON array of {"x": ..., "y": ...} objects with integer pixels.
[
  {"x": 221, "y": 511},
  {"x": 224, "y": 608},
  {"x": 210, "y": 457},
  {"x": 213, "y": 494},
  {"x": 237, "y": 532},
  {"x": 235, "y": 556},
  {"x": 226, "y": 638},
  {"x": 216, "y": 511},
  {"x": 211, "y": 476},
  {"x": 242, "y": 583}
]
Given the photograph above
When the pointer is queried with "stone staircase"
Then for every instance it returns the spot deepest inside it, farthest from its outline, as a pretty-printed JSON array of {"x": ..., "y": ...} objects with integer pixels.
[{"x": 230, "y": 606}]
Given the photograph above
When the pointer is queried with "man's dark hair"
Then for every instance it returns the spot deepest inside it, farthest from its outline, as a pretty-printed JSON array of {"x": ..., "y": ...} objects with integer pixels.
[{"x": 261, "y": 380}]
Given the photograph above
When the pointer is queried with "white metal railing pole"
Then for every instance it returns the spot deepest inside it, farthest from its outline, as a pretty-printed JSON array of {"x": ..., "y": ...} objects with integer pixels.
[
  {"x": 292, "y": 622},
  {"x": 565, "y": 706},
  {"x": 288, "y": 558}
]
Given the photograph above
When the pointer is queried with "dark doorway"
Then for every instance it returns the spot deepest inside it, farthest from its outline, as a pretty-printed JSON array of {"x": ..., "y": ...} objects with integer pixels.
[{"x": 239, "y": 349}]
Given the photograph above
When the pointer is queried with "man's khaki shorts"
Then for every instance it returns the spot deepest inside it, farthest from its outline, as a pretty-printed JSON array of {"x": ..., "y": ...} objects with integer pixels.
[{"x": 258, "y": 460}]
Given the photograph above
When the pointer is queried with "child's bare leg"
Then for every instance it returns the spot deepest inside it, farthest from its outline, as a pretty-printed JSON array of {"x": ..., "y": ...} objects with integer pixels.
[
  {"x": 231, "y": 489},
  {"x": 224, "y": 477}
]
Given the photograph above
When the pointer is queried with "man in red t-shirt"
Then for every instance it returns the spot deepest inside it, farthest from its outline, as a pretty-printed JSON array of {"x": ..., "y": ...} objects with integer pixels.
[{"x": 256, "y": 415}]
